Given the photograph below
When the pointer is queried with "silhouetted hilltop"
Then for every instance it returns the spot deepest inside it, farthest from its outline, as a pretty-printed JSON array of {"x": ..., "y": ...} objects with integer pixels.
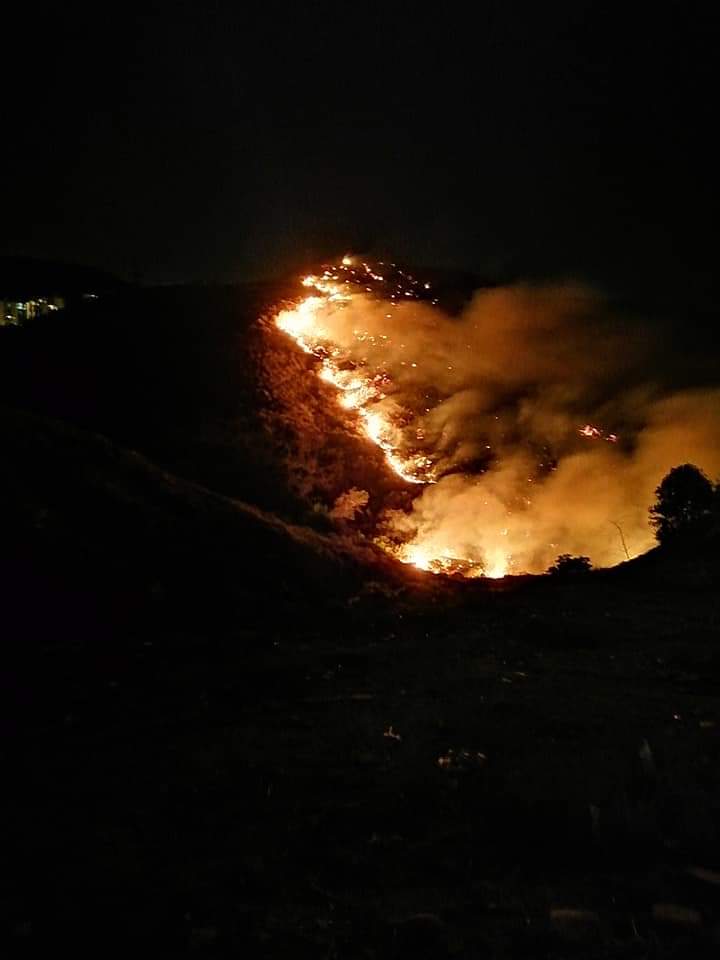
[{"x": 26, "y": 277}]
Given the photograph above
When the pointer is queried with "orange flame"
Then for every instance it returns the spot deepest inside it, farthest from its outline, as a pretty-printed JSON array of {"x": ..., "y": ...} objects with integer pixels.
[
  {"x": 369, "y": 395},
  {"x": 360, "y": 393}
]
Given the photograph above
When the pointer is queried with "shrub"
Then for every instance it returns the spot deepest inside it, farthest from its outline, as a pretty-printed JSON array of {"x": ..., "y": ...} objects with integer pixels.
[{"x": 567, "y": 565}]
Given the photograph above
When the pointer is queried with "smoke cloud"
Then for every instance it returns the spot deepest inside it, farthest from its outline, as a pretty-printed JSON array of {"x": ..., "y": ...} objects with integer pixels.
[{"x": 497, "y": 398}]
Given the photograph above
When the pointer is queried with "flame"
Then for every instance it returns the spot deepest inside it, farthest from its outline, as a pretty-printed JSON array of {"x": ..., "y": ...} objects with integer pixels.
[
  {"x": 592, "y": 432},
  {"x": 494, "y": 566},
  {"x": 498, "y": 566},
  {"x": 361, "y": 392},
  {"x": 358, "y": 390},
  {"x": 350, "y": 320}
]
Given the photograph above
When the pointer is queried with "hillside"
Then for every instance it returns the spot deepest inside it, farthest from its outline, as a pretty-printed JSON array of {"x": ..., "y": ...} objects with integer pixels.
[
  {"x": 105, "y": 525},
  {"x": 233, "y": 728}
]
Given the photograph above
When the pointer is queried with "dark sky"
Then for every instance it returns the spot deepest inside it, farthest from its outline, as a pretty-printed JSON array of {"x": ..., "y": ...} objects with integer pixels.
[{"x": 208, "y": 140}]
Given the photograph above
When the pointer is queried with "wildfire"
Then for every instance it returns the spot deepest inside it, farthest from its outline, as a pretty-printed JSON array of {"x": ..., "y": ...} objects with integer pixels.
[
  {"x": 361, "y": 390},
  {"x": 318, "y": 324},
  {"x": 469, "y": 407},
  {"x": 424, "y": 558}
]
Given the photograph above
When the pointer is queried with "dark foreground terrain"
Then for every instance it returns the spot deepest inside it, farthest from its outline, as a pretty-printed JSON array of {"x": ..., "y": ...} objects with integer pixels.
[{"x": 229, "y": 733}]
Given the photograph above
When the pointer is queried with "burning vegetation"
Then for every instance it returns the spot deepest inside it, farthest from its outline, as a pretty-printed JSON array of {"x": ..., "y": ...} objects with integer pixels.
[{"x": 521, "y": 428}]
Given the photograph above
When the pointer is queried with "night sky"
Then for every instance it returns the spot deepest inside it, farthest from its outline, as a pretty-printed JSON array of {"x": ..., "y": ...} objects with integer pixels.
[{"x": 205, "y": 141}]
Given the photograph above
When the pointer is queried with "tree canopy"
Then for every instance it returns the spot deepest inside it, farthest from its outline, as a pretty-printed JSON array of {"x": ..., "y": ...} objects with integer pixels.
[{"x": 687, "y": 502}]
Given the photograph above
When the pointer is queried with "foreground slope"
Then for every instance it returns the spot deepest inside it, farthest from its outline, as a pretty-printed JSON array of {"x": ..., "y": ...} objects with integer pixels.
[
  {"x": 84, "y": 516},
  {"x": 226, "y": 732}
]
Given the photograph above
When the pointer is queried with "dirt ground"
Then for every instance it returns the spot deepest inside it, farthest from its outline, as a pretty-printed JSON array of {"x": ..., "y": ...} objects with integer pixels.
[{"x": 528, "y": 771}]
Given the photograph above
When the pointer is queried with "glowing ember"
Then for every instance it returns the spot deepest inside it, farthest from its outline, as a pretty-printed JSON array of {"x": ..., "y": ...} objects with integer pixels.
[{"x": 595, "y": 433}]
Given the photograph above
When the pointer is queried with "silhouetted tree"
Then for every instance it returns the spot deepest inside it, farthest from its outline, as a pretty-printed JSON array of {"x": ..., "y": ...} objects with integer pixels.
[
  {"x": 568, "y": 566},
  {"x": 686, "y": 503}
]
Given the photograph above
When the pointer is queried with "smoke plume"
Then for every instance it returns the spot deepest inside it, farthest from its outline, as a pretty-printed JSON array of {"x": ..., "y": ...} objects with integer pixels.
[{"x": 538, "y": 412}]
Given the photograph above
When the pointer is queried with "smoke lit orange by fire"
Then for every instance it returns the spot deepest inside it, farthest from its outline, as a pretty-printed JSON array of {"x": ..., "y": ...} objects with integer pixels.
[{"x": 485, "y": 415}]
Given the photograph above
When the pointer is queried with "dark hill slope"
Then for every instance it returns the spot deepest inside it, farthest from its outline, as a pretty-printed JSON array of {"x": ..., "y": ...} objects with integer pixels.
[
  {"x": 25, "y": 277},
  {"x": 683, "y": 566},
  {"x": 189, "y": 378},
  {"x": 94, "y": 530}
]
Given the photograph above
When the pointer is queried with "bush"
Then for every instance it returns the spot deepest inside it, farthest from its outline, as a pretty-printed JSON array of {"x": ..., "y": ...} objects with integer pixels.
[{"x": 568, "y": 566}]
